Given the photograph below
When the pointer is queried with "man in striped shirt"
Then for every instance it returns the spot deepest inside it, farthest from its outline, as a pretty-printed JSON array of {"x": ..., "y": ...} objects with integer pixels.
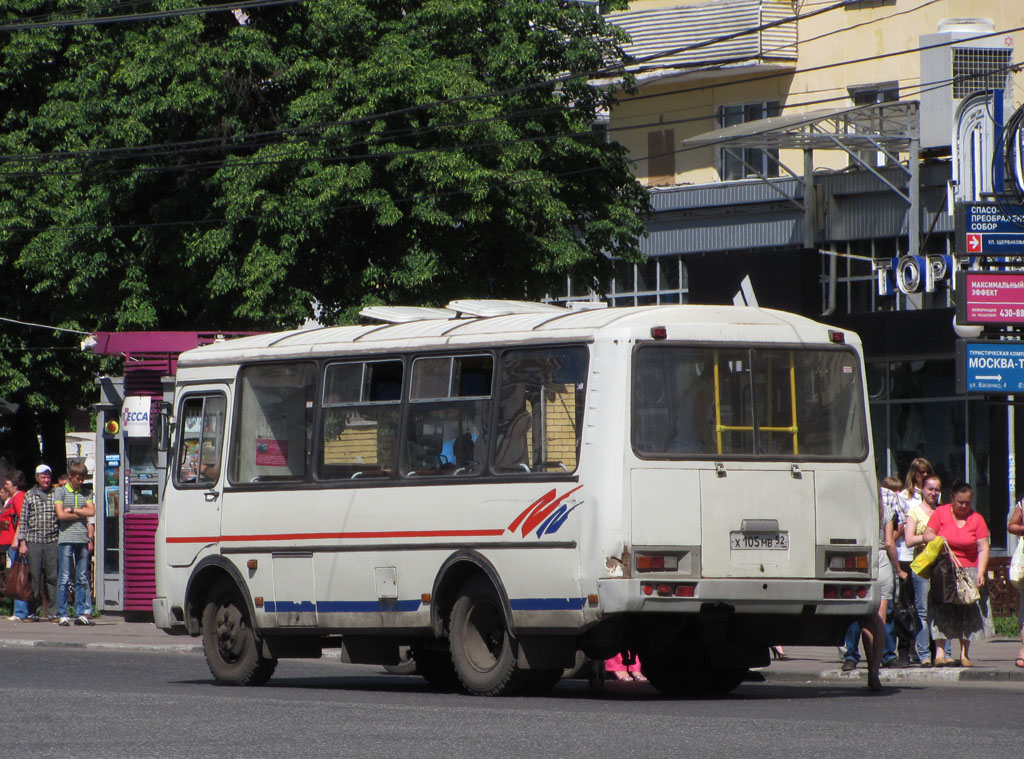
[{"x": 37, "y": 538}]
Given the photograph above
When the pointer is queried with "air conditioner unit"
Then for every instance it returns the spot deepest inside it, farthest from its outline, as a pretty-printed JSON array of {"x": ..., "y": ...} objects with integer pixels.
[{"x": 964, "y": 58}]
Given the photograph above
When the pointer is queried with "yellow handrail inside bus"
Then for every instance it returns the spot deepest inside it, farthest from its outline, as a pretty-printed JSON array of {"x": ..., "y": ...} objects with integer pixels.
[{"x": 792, "y": 429}]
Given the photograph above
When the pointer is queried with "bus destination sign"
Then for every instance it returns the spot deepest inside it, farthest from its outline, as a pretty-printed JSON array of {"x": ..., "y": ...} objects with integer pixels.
[
  {"x": 989, "y": 229},
  {"x": 989, "y": 366},
  {"x": 989, "y": 298}
]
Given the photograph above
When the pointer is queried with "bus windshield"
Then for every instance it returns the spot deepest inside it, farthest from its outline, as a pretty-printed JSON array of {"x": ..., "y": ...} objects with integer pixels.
[{"x": 766, "y": 403}]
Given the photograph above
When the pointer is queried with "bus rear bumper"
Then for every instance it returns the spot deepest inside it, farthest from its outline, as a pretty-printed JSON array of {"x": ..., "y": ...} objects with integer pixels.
[{"x": 744, "y": 596}]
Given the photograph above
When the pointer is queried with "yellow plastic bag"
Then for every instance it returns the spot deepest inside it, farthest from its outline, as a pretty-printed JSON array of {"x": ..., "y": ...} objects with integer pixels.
[{"x": 922, "y": 563}]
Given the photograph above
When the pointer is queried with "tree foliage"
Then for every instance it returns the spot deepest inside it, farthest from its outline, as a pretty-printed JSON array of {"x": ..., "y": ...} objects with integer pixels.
[{"x": 191, "y": 172}]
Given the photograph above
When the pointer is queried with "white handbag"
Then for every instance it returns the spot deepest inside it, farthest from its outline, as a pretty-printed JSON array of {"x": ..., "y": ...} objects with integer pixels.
[{"x": 1017, "y": 565}]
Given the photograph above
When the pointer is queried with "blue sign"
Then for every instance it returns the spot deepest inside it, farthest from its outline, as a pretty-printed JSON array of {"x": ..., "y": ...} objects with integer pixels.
[
  {"x": 989, "y": 229},
  {"x": 990, "y": 367}
]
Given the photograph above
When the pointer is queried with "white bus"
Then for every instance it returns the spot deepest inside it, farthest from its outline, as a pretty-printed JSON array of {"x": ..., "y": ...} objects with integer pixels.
[{"x": 499, "y": 485}]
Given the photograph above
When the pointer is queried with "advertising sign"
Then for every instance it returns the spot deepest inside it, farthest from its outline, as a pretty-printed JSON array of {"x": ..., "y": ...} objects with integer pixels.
[
  {"x": 989, "y": 229},
  {"x": 135, "y": 415},
  {"x": 989, "y": 366},
  {"x": 989, "y": 298}
]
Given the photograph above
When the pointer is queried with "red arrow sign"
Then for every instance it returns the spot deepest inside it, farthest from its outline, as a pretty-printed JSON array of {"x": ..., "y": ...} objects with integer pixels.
[{"x": 974, "y": 243}]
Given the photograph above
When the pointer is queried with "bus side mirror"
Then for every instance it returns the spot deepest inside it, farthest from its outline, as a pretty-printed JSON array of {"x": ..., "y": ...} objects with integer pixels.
[{"x": 162, "y": 431}]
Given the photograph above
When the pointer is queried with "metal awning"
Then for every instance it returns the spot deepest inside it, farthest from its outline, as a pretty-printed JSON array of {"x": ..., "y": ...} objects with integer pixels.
[
  {"x": 866, "y": 127},
  {"x": 885, "y": 128}
]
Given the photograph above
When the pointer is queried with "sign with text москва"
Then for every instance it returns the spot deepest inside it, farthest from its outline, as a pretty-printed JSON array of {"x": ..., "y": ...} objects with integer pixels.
[{"x": 989, "y": 366}]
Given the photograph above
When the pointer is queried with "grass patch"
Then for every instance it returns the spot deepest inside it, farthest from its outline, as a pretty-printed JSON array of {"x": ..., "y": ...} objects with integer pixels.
[{"x": 1008, "y": 626}]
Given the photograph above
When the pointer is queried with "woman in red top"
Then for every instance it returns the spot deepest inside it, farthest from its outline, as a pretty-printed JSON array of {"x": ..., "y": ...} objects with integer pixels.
[
  {"x": 12, "y": 495},
  {"x": 967, "y": 535}
]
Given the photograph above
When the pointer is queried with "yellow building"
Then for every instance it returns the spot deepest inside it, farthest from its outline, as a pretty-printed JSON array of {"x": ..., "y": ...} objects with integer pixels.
[
  {"x": 704, "y": 69},
  {"x": 817, "y": 149}
]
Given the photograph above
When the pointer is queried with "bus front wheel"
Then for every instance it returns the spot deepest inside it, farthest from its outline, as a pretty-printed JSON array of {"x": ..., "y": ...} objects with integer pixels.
[
  {"x": 232, "y": 652},
  {"x": 480, "y": 642}
]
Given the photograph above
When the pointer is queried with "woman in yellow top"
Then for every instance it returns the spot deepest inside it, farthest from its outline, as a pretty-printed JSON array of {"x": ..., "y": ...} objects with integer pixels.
[{"x": 917, "y": 521}]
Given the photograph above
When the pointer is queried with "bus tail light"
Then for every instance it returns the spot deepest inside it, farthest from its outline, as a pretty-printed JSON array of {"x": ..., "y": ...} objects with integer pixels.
[
  {"x": 848, "y": 562},
  {"x": 648, "y": 563},
  {"x": 845, "y": 592},
  {"x": 668, "y": 589}
]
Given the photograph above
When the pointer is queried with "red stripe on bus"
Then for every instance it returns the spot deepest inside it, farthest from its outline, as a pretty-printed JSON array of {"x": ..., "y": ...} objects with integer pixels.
[{"x": 344, "y": 536}]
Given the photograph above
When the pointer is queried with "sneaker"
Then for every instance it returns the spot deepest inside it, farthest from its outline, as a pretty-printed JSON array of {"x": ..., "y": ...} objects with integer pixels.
[
  {"x": 849, "y": 665},
  {"x": 84, "y": 620},
  {"x": 894, "y": 664},
  {"x": 32, "y": 618},
  {"x": 64, "y": 622},
  {"x": 54, "y": 618},
  {"x": 13, "y": 619}
]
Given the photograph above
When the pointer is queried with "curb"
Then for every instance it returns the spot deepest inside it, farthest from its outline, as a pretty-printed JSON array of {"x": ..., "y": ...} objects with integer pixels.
[
  {"x": 906, "y": 676},
  {"x": 171, "y": 649}
]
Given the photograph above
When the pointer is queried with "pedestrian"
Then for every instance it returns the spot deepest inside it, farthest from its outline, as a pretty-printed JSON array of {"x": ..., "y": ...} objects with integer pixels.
[
  {"x": 1016, "y": 527},
  {"x": 917, "y": 523},
  {"x": 13, "y": 496},
  {"x": 967, "y": 536},
  {"x": 37, "y": 539},
  {"x": 74, "y": 507},
  {"x": 893, "y": 513}
]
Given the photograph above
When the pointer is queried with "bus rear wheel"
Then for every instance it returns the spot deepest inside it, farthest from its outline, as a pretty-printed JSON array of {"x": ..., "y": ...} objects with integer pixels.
[
  {"x": 674, "y": 676},
  {"x": 480, "y": 642},
  {"x": 435, "y": 666},
  {"x": 232, "y": 652}
]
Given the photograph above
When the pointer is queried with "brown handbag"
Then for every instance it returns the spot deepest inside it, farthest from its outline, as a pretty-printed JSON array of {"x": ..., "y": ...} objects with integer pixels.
[{"x": 17, "y": 585}]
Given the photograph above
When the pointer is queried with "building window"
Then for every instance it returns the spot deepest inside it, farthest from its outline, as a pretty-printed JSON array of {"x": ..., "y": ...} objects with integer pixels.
[
  {"x": 739, "y": 163},
  {"x": 661, "y": 157},
  {"x": 659, "y": 280},
  {"x": 886, "y": 92}
]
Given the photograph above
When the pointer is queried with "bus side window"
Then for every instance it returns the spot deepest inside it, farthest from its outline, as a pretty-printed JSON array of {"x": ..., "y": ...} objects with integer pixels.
[
  {"x": 540, "y": 410},
  {"x": 359, "y": 427},
  {"x": 274, "y": 429},
  {"x": 449, "y": 414}
]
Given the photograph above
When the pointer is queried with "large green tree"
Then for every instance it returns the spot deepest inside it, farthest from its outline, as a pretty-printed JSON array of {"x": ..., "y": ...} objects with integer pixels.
[{"x": 192, "y": 172}]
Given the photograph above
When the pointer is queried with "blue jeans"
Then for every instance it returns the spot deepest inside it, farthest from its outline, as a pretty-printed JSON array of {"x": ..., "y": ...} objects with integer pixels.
[
  {"x": 78, "y": 554},
  {"x": 20, "y": 607},
  {"x": 853, "y": 639},
  {"x": 852, "y": 652}
]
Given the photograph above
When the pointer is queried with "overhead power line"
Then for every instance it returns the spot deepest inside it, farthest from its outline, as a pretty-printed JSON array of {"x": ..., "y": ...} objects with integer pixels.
[{"x": 143, "y": 16}]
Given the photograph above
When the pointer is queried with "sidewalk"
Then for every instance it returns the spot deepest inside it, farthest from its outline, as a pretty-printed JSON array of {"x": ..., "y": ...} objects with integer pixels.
[
  {"x": 993, "y": 658},
  {"x": 111, "y": 631},
  {"x": 993, "y": 661}
]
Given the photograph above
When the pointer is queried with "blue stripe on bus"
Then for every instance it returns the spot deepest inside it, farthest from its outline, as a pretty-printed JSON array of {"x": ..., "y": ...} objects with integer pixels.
[
  {"x": 334, "y": 607},
  {"x": 546, "y": 604}
]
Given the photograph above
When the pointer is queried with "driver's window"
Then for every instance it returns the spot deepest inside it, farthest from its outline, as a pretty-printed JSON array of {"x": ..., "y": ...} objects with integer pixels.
[{"x": 200, "y": 441}]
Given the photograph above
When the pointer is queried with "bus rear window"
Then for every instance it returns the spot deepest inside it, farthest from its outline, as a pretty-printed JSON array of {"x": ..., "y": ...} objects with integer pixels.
[{"x": 700, "y": 402}]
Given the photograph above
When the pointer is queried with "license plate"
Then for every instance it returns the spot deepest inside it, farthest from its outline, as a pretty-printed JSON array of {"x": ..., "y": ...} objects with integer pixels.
[{"x": 759, "y": 541}]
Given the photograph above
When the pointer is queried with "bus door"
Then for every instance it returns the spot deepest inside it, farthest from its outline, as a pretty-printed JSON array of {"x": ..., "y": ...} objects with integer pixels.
[
  {"x": 192, "y": 507},
  {"x": 757, "y": 523},
  {"x": 757, "y": 519}
]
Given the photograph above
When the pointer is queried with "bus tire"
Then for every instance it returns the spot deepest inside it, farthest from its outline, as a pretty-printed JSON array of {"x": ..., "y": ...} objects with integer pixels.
[
  {"x": 480, "y": 642},
  {"x": 673, "y": 676},
  {"x": 232, "y": 651},
  {"x": 435, "y": 667},
  {"x": 540, "y": 681}
]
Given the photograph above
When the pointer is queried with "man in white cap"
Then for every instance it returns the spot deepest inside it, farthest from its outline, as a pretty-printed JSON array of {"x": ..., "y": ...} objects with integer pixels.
[{"x": 37, "y": 537}]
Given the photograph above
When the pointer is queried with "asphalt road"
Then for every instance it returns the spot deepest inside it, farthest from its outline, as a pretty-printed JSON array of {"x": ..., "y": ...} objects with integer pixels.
[{"x": 68, "y": 703}]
